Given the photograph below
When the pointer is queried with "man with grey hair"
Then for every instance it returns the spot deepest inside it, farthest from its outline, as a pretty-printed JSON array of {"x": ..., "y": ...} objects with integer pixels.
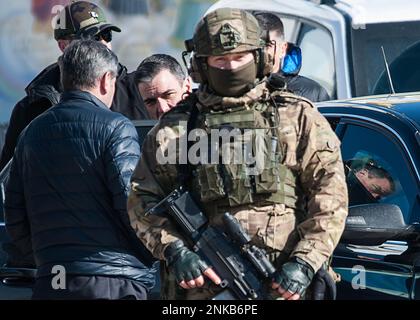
[
  {"x": 67, "y": 191},
  {"x": 161, "y": 83}
]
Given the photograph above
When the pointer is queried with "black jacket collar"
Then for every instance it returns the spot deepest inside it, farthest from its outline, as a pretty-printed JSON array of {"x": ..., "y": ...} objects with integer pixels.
[{"x": 82, "y": 95}]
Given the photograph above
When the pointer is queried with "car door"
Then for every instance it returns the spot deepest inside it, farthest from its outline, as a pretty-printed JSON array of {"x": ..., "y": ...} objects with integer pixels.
[{"x": 385, "y": 271}]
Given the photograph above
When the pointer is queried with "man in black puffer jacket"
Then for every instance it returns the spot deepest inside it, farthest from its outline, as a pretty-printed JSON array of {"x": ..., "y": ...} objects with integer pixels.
[
  {"x": 69, "y": 180},
  {"x": 44, "y": 91}
]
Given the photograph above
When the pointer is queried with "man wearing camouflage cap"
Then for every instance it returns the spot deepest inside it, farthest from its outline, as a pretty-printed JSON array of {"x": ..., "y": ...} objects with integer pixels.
[
  {"x": 78, "y": 20},
  {"x": 294, "y": 206}
]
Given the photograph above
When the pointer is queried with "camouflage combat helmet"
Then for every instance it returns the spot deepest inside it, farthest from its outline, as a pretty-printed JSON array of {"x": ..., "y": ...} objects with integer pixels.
[
  {"x": 81, "y": 17},
  {"x": 226, "y": 30}
]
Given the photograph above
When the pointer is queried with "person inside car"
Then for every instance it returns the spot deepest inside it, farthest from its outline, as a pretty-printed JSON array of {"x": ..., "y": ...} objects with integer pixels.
[{"x": 368, "y": 182}]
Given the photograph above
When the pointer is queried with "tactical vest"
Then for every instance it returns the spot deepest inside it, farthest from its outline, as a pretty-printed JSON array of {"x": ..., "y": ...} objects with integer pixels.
[{"x": 253, "y": 171}]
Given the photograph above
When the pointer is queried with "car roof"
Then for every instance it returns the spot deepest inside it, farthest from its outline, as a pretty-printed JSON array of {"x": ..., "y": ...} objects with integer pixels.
[
  {"x": 402, "y": 104},
  {"x": 360, "y": 11}
]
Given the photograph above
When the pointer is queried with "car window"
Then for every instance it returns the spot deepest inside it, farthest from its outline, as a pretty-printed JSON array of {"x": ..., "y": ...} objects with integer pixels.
[
  {"x": 368, "y": 62},
  {"x": 333, "y": 121},
  {"x": 318, "y": 61},
  {"x": 376, "y": 169},
  {"x": 404, "y": 73}
]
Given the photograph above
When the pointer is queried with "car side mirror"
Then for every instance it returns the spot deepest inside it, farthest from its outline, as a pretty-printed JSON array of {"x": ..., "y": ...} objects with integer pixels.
[{"x": 373, "y": 224}]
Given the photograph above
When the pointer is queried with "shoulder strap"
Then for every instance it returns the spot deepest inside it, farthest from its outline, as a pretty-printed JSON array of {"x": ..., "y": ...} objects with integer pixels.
[
  {"x": 184, "y": 170},
  {"x": 283, "y": 98}
]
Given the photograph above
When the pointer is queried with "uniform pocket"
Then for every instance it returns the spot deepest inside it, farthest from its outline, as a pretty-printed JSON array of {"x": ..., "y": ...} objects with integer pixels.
[
  {"x": 210, "y": 182},
  {"x": 280, "y": 232}
]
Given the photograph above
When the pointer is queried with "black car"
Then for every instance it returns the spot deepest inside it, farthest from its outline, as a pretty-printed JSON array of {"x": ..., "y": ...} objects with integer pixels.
[{"x": 379, "y": 254}]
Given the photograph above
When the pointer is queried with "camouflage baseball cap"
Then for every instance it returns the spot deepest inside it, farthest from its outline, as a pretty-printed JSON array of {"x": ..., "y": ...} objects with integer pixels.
[
  {"x": 226, "y": 30},
  {"x": 81, "y": 18}
]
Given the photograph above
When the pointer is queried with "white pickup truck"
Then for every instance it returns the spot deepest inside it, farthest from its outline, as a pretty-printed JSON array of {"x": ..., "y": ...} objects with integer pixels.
[{"x": 341, "y": 41}]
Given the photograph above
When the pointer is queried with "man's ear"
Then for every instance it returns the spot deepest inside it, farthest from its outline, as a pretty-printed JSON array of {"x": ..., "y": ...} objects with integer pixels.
[
  {"x": 106, "y": 82},
  {"x": 63, "y": 44},
  {"x": 187, "y": 87},
  {"x": 283, "y": 49}
]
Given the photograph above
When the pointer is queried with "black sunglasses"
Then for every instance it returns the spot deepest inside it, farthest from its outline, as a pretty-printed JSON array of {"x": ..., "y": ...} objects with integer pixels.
[{"x": 105, "y": 35}]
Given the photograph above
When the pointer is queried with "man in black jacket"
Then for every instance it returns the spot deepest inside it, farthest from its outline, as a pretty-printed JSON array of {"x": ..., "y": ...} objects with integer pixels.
[
  {"x": 287, "y": 60},
  {"x": 80, "y": 19},
  {"x": 68, "y": 185}
]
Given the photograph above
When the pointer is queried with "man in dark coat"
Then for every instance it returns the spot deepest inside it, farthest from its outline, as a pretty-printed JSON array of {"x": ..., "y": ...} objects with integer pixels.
[
  {"x": 80, "y": 19},
  {"x": 288, "y": 60},
  {"x": 68, "y": 186}
]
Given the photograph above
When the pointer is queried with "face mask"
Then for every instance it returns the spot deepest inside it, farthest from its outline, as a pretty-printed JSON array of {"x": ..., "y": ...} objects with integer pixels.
[{"x": 232, "y": 83}]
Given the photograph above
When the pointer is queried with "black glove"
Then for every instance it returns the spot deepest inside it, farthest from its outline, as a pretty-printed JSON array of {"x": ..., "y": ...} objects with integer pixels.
[
  {"x": 295, "y": 276},
  {"x": 185, "y": 264}
]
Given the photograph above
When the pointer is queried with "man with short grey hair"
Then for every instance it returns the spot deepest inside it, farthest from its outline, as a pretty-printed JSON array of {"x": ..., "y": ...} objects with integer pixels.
[{"x": 68, "y": 186}]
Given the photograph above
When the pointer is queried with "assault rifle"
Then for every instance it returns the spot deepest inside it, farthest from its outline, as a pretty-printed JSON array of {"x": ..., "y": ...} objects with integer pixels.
[{"x": 241, "y": 266}]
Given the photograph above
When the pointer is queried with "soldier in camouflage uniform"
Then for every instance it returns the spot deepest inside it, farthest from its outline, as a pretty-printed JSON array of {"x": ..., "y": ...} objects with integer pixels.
[{"x": 295, "y": 207}]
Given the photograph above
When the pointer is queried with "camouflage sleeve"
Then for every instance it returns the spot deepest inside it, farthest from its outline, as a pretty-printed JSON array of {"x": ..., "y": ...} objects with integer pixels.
[
  {"x": 155, "y": 232},
  {"x": 323, "y": 181}
]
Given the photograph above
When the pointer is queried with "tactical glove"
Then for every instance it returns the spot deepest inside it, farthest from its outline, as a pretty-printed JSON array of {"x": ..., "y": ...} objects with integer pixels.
[
  {"x": 295, "y": 276},
  {"x": 185, "y": 264}
]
